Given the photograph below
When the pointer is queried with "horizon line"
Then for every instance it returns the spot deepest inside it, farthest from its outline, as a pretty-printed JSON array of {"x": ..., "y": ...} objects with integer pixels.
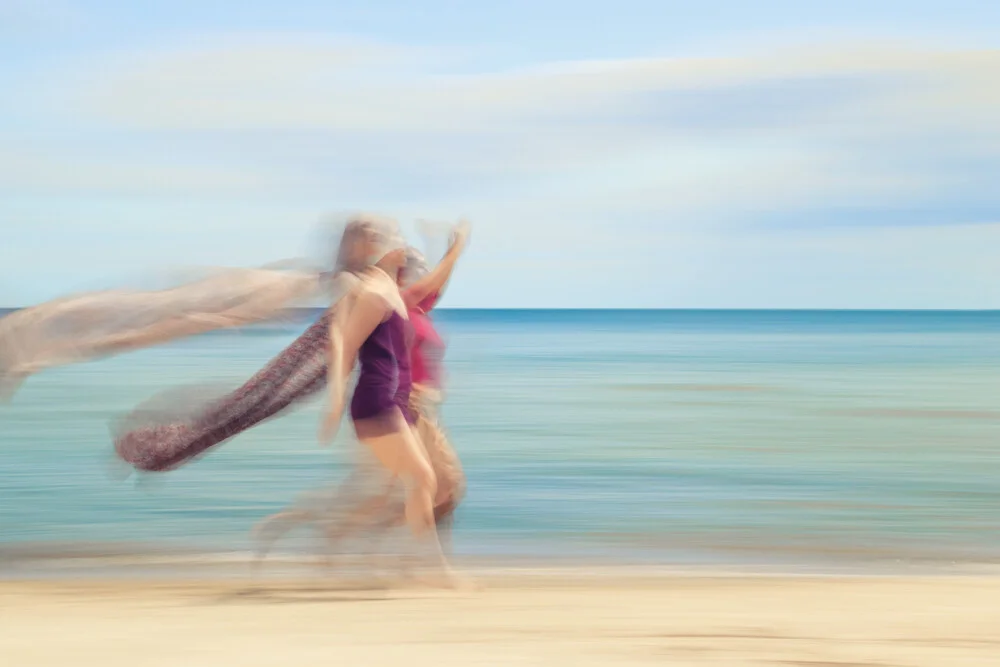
[{"x": 755, "y": 309}]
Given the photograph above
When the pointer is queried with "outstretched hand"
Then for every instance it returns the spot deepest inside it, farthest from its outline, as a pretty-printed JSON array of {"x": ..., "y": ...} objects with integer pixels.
[{"x": 460, "y": 233}]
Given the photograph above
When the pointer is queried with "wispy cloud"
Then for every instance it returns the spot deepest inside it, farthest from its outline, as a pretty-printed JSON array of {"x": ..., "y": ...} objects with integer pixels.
[
  {"x": 723, "y": 164},
  {"x": 656, "y": 131},
  {"x": 278, "y": 84}
]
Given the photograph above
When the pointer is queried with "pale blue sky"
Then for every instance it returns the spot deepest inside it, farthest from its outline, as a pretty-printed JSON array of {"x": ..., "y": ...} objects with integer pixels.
[{"x": 631, "y": 153}]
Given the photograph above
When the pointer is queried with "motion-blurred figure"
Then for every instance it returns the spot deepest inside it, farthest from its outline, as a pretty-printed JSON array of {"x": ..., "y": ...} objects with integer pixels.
[{"x": 375, "y": 504}]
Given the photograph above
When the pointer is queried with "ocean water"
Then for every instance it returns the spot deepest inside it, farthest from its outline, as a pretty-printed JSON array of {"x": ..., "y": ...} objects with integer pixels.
[{"x": 674, "y": 437}]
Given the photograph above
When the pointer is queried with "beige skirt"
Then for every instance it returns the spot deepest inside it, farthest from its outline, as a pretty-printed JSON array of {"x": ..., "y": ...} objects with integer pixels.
[{"x": 425, "y": 402}]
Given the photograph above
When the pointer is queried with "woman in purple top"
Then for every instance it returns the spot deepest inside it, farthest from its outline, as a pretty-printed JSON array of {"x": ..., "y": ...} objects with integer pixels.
[{"x": 372, "y": 329}]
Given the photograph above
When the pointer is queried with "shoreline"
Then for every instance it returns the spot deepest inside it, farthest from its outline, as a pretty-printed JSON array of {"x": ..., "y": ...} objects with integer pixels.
[
  {"x": 574, "y": 618},
  {"x": 241, "y": 566},
  {"x": 71, "y": 558}
]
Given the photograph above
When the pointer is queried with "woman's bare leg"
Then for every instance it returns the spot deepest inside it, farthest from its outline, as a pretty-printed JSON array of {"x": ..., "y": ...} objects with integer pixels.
[
  {"x": 403, "y": 456},
  {"x": 444, "y": 516},
  {"x": 274, "y": 527},
  {"x": 367, "y": 519}
]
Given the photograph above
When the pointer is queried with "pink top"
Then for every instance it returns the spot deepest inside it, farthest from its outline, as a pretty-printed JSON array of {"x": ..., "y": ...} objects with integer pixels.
[{"x": 427, "y": 351}]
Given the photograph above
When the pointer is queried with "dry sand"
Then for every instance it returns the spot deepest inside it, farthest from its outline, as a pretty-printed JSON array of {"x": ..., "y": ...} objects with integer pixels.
[{"x": 519, "y": 619}]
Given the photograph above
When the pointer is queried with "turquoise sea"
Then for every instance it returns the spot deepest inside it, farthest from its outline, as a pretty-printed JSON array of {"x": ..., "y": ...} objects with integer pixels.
[{"x": 785, "y": 438}]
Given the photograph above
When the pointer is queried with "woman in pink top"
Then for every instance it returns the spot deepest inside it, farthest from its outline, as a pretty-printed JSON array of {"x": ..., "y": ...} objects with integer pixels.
[{"x": 421, "y": 289}]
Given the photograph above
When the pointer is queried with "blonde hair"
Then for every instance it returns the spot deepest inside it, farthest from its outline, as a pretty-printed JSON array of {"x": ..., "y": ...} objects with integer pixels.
[{"x": 362, "y": 227}]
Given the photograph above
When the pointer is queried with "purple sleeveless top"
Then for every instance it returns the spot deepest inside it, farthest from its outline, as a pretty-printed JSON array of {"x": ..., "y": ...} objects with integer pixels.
[{"x": 384, "y": 381}]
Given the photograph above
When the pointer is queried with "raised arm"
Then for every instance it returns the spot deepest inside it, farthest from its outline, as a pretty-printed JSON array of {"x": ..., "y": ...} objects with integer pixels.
[{"x": 435, "y": 281}]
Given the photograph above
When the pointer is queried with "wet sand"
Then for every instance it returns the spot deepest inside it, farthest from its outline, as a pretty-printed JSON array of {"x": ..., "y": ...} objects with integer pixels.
[{"x": 518, "y": 619}]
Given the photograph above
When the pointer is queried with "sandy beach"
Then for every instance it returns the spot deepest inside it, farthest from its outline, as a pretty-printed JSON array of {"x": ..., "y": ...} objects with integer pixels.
[{"x": 518, "y": 619}]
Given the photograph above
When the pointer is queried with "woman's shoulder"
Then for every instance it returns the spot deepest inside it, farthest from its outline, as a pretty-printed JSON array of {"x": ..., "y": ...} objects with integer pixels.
[
  {"x": 379, "y": 289},
  {"x": 351, "y": 290},
  {"x": 343, "y": 285}
]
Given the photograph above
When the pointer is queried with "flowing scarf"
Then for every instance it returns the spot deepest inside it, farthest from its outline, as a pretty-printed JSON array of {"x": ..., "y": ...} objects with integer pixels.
[
  {"x": 99, "y": 324},
  {"x": 178, "y": 426}
]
